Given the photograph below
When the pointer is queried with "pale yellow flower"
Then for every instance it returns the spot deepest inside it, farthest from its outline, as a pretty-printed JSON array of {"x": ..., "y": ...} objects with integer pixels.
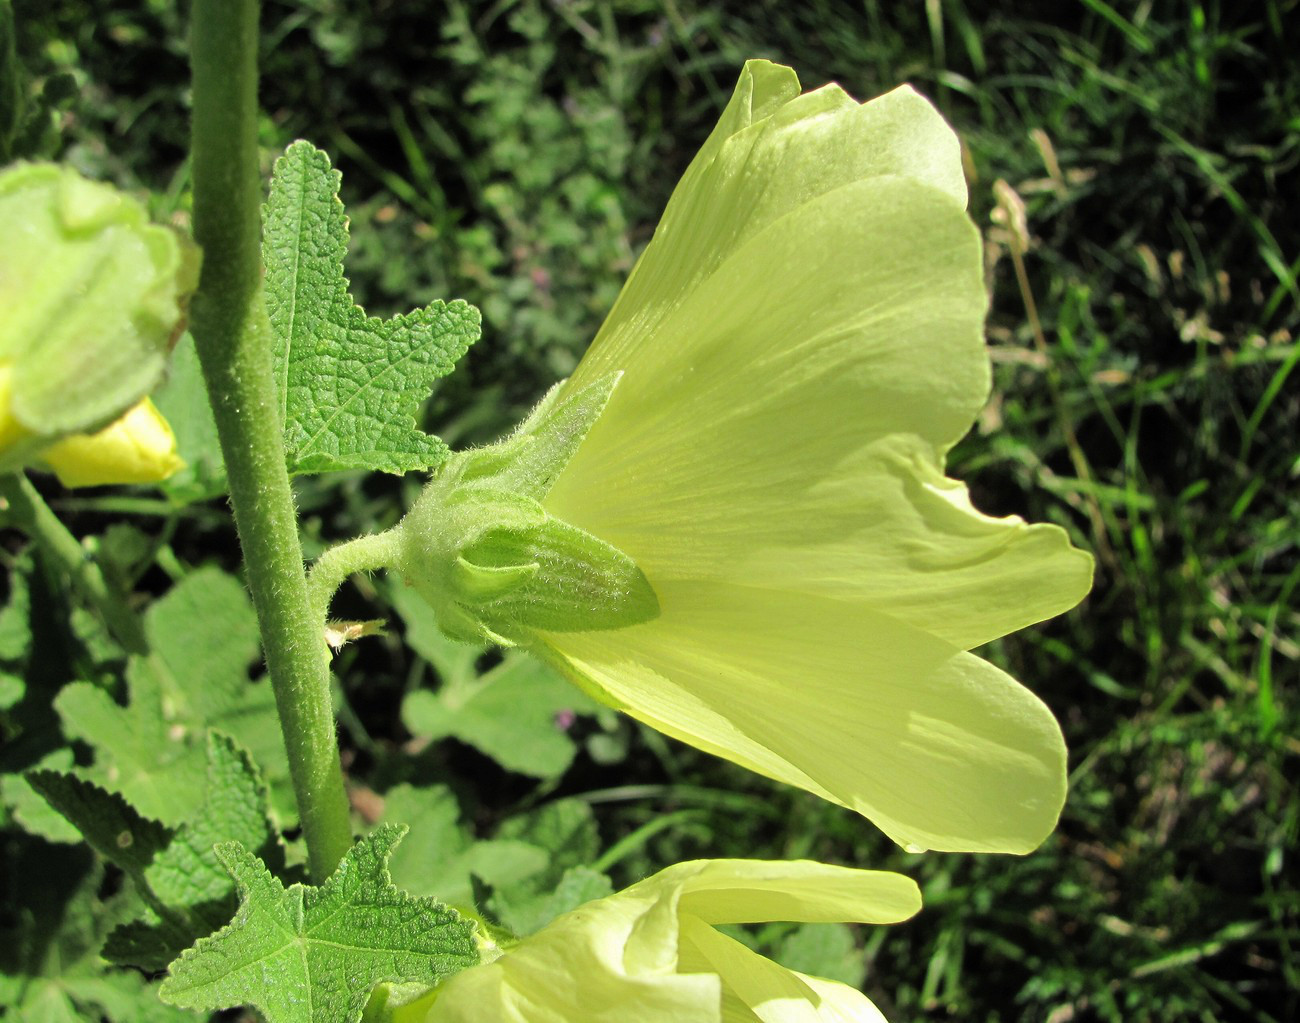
[
  {"x": 651, "y": 953},
  {"x": 733, "y": 521}
]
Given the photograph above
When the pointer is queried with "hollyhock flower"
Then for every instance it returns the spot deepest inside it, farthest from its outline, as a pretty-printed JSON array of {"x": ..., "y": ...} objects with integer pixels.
[
  {"x": 92, "y": 297},
  {"x": 650, "y": 952},
  {"x": 732, "y": 522}
]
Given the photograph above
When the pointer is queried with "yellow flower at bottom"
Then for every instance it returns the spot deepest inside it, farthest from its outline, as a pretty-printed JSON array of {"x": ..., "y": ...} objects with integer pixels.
[
  {"x": 650, "y": 952},
  {"x": 138, "y": 448}
]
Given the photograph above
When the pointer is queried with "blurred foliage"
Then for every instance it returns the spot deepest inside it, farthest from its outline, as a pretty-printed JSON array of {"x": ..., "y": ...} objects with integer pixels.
[{"x": 516, "y": 153}]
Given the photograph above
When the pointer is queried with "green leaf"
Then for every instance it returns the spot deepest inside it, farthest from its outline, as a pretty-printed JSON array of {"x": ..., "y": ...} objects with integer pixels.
[
  {"x": 455, "y": 662},
  {"x": 440, "y": 858},
  {"x": 183, "y": 401},
  {"x": 15, "y": 619},
  {"x": 567, "y": 828},
  {"x": 515, "y": 713},
  {"x": 254, "y": 718},
  {"x": 15, "y": 633},
  {"x": 187, "y": 873},
  {"x": 138, "y": 754},
  {"x": 31, "y": 810},
  {"x": 577, "y": 885},
  {"x": 50, "y": 935},
  {"x": 314, "y": 953},
  {"x": 350, "y": 385},
  {"x": 113, "y": 828},
  {"x": 823, "y": 950},
  {"x": 185, "y": 877},
  {"x": 202, "y": 637},
  {"x": 11, "y": 83},
  {"x": 109, "y": 824},
  {"x": 12, "y": 688}
]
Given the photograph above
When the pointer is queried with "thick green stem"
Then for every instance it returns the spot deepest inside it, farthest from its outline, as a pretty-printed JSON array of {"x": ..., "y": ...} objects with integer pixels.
[
  {"x": 32, "y": 515},
  {"x": 233, "y": 336}
]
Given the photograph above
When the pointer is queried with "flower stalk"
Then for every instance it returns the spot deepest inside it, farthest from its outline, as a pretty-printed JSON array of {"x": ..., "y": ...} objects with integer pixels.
[
  {"x": 233, "y": 338},
  {"x": 363, "y": 554}
]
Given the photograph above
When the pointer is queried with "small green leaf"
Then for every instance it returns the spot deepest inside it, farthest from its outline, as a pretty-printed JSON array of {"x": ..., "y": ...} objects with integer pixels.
[
  {"x": 202, "y": 637},
  {"x": 15, "y": 619},
  {"x": 439, "y": 857},
  {"x": 515, "y": 713},
  {"x": 187, "y": 872},
  {"x": 15, "y": 633},
  {"x": 113, "y": 828},
  {"x": 30, "y": 809},
  {"x": 185, "y": 877},
  {"x": 138, "y": 753},
  {"x": 12, "y": 688},
  {"x": 314, "y": 953},
  {"x": 109, "y": 824},
  {"x": 350, "y": 385},
  {"x": 823, "y": 950},
  {"x": 11, "y": 83},
  {"x": 50, "y": 935},
  {"x": 577, "y": 885},
  {"x": 567, "y": 828}
]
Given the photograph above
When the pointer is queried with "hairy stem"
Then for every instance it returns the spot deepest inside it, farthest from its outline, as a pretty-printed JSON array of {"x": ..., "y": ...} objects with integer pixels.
[
  {"x": 364, "y": 554},
  {"x": 29, "y": 512},
  {"x": 233, "y": 337}
]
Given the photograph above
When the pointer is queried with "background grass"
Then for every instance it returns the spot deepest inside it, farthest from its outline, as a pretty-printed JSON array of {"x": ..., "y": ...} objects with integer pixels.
[{"x": 516, "y": 154}]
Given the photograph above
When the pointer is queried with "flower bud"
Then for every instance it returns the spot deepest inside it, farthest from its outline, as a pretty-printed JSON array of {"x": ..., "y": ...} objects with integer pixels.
[
  {"x": 91, "y": 298},
  {"x": 494, "y": 564}
]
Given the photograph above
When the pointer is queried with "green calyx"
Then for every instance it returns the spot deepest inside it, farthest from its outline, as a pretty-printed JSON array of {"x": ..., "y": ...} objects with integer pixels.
[{"x": 481, "y": 548}]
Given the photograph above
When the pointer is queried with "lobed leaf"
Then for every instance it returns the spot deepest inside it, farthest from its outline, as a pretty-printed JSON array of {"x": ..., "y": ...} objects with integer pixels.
[
  {"x": 314, "y": 953},
  {"x": 350, "y": 385}
]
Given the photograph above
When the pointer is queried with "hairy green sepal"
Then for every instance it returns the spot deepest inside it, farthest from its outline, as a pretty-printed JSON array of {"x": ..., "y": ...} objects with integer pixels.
[{"x": 481, "y": 548}]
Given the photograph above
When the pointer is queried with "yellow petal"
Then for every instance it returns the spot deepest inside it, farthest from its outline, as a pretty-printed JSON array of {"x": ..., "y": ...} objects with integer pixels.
[
  {"x": 14, "y": 437},
  {"x": 772, "y": 151},
  {"x": 575, "y": 970},
  {"x": 804, "y": 891},
  {"x": 647, "y": 953},
  {"x": 138, "y": 448},
  {"x": 757, "y": 989},
  {"x": 788, "y": 428},
  {"x": 939, "y": 748}
]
